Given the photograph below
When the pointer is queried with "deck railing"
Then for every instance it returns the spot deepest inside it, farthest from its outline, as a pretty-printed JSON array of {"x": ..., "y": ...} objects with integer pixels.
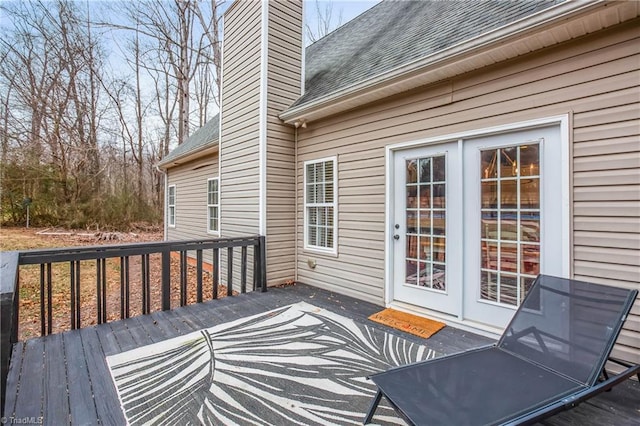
[{"x": 189, "y": 253}]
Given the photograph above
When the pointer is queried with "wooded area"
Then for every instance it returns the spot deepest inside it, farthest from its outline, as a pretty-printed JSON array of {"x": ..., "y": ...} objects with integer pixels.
[{"x": 92, "y": 96}]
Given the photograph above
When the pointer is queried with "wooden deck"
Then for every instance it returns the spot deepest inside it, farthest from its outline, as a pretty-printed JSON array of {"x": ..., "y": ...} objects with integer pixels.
[{"x": 64, "y": 379}]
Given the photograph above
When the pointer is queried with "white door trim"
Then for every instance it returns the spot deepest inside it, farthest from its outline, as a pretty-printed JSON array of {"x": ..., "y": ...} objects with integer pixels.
[{"x": 390, "y": 150}]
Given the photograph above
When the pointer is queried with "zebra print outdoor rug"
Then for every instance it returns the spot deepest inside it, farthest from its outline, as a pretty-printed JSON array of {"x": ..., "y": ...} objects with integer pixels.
[{"x": 294, "y": 365}]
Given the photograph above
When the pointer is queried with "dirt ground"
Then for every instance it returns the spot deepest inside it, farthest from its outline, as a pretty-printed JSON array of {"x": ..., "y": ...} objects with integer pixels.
[{"x": 30, "y": 294}]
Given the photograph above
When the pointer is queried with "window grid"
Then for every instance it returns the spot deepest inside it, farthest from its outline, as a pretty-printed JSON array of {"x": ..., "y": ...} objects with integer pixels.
[
  {"x": 510, "y": 232},
  {"x": 171, "y": 205},
  {"x": 320, "y": 204},
  {"x": 426, "y": 222},
  {"x": 213, "y": 205}
]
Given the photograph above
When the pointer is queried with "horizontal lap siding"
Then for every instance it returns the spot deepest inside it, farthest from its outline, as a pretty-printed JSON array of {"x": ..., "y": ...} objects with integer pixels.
[
  {"x": 283, "y": 88},
  {"x": 239, "y": 147},
  {"x": 190, "y": 180},
  {"x": 595, "y": 80},
  {"x": 239, "y": 151}
]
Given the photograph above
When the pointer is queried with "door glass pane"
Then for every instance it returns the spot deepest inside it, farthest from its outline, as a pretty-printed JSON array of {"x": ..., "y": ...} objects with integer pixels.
[
  {"x": 439, "y": 196},
  {"x": 425, "y": 248},
  {"x": 508, "y": 162},
  {"x": 412, "y": 225},
  {"x": 425, "y": 196},
  {"x": 530, "y": 226},
  {"x": 530, "y": 193},
  {"x": 510, "y": 222},
  {"x": 425, "y": 170},
  {"x": 509, "y": 289},
  {"x": 439, "y": 276},
  {"x": 489, "y": 225},
  {"x": 489, "y": 286},
  {"x": 439, "y": 249},
  {"x": 412, "y": 247},
  {"x": 412, "y": 197},
  {"x": 439, "y": 172},
  {"x": 412, "y": 171},
  {"x": 426, "y": 222},
  {"x": 488, "y": 164},
  {"x": 529, "y": 163},
  {"x": 489, "y": 194},
  {"x": 411, "y": 272}
]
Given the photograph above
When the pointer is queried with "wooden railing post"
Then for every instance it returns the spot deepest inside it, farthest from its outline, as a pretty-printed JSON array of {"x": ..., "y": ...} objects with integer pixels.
[
  {"x": 9, "y": 264},
  {"x": 263, "y": 263},
  {"x": 166, "y": 278}
]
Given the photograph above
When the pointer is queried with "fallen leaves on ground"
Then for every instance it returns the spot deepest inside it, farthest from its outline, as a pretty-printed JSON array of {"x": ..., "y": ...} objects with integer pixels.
[{"x": 30, "y": 315}]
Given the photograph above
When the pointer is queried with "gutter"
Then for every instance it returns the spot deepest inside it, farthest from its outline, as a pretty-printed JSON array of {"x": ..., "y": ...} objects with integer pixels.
[
  {"x": 165, "y": 223},
  {"x": 457, "y": 52},
  {"x": 195, "y": 153}
]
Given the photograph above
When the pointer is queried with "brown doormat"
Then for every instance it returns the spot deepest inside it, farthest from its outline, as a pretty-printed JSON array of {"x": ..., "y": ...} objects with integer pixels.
[{"x": 419, "y": 326}]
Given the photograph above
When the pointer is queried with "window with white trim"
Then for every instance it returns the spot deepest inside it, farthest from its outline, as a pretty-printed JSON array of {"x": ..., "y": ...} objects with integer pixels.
[
  {"x": 320, "y": 205},
  {"x": 171, "y": 205},
  {"x": 213, "y": 205}
]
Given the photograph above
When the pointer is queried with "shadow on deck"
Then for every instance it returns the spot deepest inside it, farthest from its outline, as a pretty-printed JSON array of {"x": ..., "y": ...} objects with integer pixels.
[{"x": 64, "y": 379}]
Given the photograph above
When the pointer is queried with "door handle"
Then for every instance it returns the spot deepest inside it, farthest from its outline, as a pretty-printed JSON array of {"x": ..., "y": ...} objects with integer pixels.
[{"x": 396, "y": 237}]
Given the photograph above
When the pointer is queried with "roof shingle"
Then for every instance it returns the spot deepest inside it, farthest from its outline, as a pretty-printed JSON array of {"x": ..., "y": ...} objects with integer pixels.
[
  {"x": 394, "y": 33},
  {"x": 205, "y": 136}
]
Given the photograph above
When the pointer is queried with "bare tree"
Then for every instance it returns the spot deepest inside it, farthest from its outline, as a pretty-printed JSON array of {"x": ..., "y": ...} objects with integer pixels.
[
  {"x": 325, "y": 21},
  {"x": 79, "y": 131}
]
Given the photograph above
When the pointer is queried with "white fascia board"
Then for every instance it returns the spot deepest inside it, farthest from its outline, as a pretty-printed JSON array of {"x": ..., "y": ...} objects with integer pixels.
[
  {"x": 188, "y": 156},
  {"x": 456, "y": 53}
]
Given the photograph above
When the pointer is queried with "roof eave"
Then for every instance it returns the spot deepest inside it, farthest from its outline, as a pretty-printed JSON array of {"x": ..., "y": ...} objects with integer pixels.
[
  {"x": 447, "y": 63},
  {"x": 188, "y": 156}
]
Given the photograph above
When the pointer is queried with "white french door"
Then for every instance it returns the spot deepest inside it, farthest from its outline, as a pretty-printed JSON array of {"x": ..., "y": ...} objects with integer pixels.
[
  {"x": 512, "y": 217},
  {"x": 476, "y": 220},
  {"x": 427, "y": 195}
]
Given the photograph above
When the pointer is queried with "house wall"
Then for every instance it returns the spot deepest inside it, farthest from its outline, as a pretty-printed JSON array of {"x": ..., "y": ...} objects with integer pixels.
[
  {"x": 262, "y": 66},
  {"x": 594, "y": 79},
  {"x": 239, "y": 141},
  {"x": 240, "y": 128},
  {"x": 191, "y": 199},
  {"x": 283, "y": 88}
]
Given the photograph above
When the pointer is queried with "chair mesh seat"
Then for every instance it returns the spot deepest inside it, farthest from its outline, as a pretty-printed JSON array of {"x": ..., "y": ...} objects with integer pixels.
[
  {"x": 549, "y": 357},
  {"x": 482, "y": 387}
]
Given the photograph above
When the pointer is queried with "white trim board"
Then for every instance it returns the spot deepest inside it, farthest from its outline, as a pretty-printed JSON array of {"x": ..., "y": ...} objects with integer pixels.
[{"x": 264, "y": 50}]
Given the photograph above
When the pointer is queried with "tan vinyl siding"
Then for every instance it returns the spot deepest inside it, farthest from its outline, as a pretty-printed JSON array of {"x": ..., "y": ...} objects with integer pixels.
[
  {"x": 240, "y": 130},
  {"x": 239, "y": 150},
  {"x": 190, "y": 180},
  {"x": 595, "y": 80},
  {"x": 283, "y": 88}
]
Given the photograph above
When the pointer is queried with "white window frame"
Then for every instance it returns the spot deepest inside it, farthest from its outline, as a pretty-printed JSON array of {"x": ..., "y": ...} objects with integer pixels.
[
  {"x": 313, "y": 248},
  {"x": 171, "y": 208},
  {"x": 209, "y": 206}
]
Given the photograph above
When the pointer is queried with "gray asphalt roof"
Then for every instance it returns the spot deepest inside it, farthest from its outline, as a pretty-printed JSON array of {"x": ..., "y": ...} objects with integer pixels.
[
  {"x": 394, "y": 33},
  {"x": 204, "y": 136}
]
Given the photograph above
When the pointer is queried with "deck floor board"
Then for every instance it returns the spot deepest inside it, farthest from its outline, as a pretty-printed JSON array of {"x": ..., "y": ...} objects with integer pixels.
[
  {"x": 29, "y": 401},
  {"x": 123, "y": 336},
  {"x": 13, "y": 378},
  {"x": 81, "y": 403},
  {"x": 56, "y": 401},
  {"x": 108, "y": 341},
  {"x": 107, "y": 409},
  {"x": 80, "y": 390}
]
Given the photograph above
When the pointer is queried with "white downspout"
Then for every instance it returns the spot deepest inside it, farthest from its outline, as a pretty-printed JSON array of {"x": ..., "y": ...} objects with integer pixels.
[
  {"x": 295, "y": 222},
  {"x": 164, "y": 202}
]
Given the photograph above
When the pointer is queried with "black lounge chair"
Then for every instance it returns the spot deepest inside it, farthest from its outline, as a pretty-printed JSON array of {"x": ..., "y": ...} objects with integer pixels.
[{"x": 550, "y": 358}]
